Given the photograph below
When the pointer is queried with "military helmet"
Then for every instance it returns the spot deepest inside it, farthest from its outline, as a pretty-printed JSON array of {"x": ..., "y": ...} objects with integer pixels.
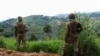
[
  {"x": 19, "y": 18},
  {"x": 71, "y": 16}
]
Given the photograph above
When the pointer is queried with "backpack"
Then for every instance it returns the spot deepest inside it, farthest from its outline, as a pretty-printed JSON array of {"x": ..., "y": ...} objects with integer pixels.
[
  {"x": 75, "y": 27},
  {"x": 79, "y": 26},
  {"x": 20, "y": 27}
]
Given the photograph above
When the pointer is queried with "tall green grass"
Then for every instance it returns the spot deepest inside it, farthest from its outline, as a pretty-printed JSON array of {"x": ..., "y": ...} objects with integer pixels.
[
  {"x": 50, "y": 46},
  {"x": 46, "y": 46},
  {"x": 87, "y": 43}
]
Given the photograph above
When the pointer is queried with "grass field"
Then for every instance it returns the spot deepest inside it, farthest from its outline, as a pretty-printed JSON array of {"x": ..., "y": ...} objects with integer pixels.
[
  {"x": 91, "y": 47},
  {"x": 50, "y": 46}
]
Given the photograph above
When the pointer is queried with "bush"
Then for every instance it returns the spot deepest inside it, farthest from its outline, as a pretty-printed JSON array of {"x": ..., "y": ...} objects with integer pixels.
[
  {"x": 2, "y": 43},
  {"x": 86, "y": 39},
  {"x": 33, "y": 37},
  {"x": 1, "y": 29},
  {"x": 51, "y": 46},
  {"x": 87, "y": 46},
  {"x": 8, "y": 34}
]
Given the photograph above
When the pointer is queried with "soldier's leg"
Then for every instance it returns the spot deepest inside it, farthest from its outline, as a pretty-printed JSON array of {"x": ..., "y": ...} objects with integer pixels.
[
  {"x": 24, "y": 41},
  {"x": 18, "y": 41},
  {"x": 64, "y": 49},
  {"x": 76, "y": 49}
]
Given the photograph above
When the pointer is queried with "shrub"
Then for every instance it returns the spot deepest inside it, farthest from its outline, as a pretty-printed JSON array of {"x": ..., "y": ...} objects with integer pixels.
[
  {"x": 8, "y": 34},
  {"x": 2, "y": 43},
  {"x": 1, "y": 29},
  {"x": 51, "y": 46},
  {"x": 87, "y": 46},
  {"x": 33, "y": 37}
]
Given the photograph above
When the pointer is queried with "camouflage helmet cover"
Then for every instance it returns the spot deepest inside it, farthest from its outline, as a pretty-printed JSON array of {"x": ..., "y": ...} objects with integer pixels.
[
  {"x": 19, "y": 18},
  {"x": 71, "y": 16}
]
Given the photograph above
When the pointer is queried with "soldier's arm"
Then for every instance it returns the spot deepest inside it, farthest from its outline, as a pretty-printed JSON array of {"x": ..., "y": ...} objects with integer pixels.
[
  {"x": 67, "y": 33},
  {"x": 80, "y": 28},
  {"x": 15, "y": 31},
  {"x": 26, "y": 28}
]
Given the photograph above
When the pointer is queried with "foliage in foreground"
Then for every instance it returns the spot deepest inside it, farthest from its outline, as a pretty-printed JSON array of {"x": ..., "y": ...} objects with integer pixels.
[
  {"x": 87, "y": 38},
  {"x": 88, "y": 47},
  {"x": 50, "y": 46}
]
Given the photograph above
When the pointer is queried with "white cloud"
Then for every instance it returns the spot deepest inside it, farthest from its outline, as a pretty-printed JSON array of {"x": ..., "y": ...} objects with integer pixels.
[{"x": 14, "y": 8}]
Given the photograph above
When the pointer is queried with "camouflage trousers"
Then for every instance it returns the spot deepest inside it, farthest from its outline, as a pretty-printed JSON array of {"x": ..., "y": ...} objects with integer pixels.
[
  {"x": 21, "y": 38},
  {"x": 75, "y": 46}
]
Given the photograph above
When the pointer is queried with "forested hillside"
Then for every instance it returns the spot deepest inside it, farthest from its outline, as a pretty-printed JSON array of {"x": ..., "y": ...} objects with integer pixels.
[{"x": 36, "y": 23}]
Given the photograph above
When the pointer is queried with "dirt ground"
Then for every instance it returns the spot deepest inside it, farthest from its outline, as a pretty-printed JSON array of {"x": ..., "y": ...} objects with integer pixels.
[{"x": 4, "y": 52}]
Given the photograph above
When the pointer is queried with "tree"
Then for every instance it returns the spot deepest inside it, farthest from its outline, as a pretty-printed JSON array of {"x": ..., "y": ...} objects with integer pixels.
[
  {"x": 33, "y": 37},
  {"x": 47, "y": 30},
  {"x": 1, "y": 31}
]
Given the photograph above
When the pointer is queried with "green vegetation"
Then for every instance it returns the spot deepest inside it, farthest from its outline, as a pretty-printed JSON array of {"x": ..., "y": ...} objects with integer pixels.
[
  {"x": 47, "y": 30},
  {"x": 50, "y": 46},
  {"x": 89, "y": 38},
  {"x": 36, "y": 23},
  {"x": 1, "y": 30}
]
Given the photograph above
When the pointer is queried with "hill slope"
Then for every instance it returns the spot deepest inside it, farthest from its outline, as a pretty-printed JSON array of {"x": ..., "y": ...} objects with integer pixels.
[{"x": 37, "y": 22}]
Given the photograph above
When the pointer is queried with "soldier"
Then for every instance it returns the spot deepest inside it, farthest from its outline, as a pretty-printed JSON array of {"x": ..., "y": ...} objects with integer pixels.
[
  {"x": 71, "y": 36},
  {"x": 20, "y": 30}
]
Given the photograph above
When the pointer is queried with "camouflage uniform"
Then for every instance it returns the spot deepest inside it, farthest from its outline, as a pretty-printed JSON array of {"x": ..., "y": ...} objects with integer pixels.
[
  {"x": 71, "y": 36},
  {"x": 20, "y": 30}
]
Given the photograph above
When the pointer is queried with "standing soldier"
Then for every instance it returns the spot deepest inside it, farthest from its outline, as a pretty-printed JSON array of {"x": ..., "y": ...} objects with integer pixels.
[
  {"x": 20, "y": 30},
  {"x": 71, "y": 36}
]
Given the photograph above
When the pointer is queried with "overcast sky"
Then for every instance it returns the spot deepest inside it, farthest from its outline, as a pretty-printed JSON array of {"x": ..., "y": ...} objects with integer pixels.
[{"x": 14, "y": 8}]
